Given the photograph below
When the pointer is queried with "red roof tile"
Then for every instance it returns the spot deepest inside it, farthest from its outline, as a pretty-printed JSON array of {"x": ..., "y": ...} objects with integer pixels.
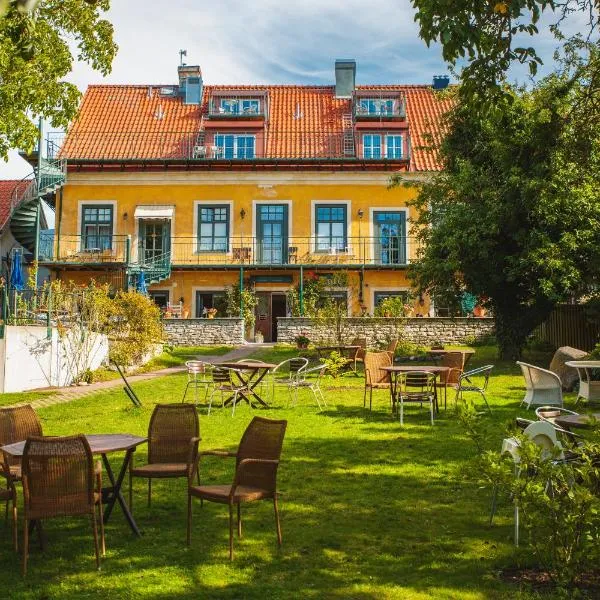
[
  {"x": 133, "y": 121},
  {"x": 7, "y": 188}
]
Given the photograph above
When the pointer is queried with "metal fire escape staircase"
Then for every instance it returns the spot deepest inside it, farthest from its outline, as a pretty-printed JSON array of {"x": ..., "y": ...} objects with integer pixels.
[
  {"x": 49, "y": 176},
  {"x": 156, "y": 268}
]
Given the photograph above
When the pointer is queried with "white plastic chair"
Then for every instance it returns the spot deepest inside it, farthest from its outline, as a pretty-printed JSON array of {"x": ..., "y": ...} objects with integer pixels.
[
  {"x": 543, "y": 387},
  {"x": 542, "y": 434},
  {"x": 314, "y": 385},
  {"x": 285, "y": 374},
  {"x": 197, "y": 376}
]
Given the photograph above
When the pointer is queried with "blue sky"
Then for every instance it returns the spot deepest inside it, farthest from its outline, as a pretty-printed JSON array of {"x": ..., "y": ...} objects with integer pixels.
[{"x": 265, "y": 41}]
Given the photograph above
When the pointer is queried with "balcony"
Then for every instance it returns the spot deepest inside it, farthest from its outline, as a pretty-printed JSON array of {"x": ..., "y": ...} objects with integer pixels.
[
  {"x": 379, "y": 106},
  {"x": 188, "y": 252},
  {"x": 239, "y": 105},
  {"x": 78, "y": 250},
  {"x": 176, "y": 147}
]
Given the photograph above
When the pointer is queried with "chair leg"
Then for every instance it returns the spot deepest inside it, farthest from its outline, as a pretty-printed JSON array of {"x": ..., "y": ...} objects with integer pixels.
[
  {"x": 102, "y": 536},
  {"x": 235, "y": 395},
  {"x": 365, "y": 397},
  {"x": 401, "y": 413},
  {"x": 149, "y": 492},
  {"x": 189, "y": 519},
  {"x": 95, "y": 530},
  {"x": 130, "y": 487},
  {"x": 277, "y": 524},
  {"x": 486, "y": 402},
  {"x": 185, "y": 391},
  {"x": 15, "y": 523},
  {"x": 431, "y": 410},
  {"x": 312, "y": 389},
  {"x": 231, "y": 532},
  {"x": 239, "y": 519},
  {"x": 25, "y": 545},
  {"x": 494, "y": 500},
  {"x": 210, "y": 400},
  {"x": 371, "y": 399}
]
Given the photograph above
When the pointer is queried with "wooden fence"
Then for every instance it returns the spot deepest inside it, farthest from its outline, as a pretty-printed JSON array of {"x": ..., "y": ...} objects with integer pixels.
[{"x": 570, "y": 325}]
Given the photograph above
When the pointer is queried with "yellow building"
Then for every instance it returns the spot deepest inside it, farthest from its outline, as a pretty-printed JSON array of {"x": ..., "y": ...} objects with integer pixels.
[{"x": 201, "y": 187}]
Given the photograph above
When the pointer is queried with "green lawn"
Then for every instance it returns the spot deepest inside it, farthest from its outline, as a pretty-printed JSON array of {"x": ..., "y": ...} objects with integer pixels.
[{"x": 369, "y": 510}]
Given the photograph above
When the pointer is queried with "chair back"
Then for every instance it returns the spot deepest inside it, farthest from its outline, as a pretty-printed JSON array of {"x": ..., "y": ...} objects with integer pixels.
[
  {"x": 456, "y": 362},
  {"x": 374, "y": 361},
  {"x": 263, "y": 438},
  {"x": 536, "y": 377},
  {"x": 221, "y": 375},
  {"x": 391, "y": 347},
  {"x": 293, "y": 366},
  {"x": 58, "y": 477},
  {"x": 417, "y": 385},
  {"x": 196, "y": 369},
  {"x": 543, "y": 434},
  {"x": 362, "y": 347},
  {"x": 171, "y": 428},
  {"x": 17, "y": 424},
  {"x": 481, "y": 375}
]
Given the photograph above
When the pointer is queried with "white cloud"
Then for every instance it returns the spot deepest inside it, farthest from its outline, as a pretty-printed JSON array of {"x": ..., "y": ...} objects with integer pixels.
[{"x": 263, "y": 41}]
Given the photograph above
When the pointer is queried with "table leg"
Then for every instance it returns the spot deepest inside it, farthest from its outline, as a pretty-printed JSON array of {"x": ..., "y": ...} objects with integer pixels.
[
  {"x": 113, "y": 494},
  {"x": 253, "y": 383}
]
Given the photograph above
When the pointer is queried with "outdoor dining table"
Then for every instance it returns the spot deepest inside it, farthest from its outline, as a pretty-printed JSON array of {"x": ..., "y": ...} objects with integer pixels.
[
  {"x": 589, "y": 388},
  {"x": 104, "y": 444},
  {"x": 395, "y": 369},
  {"x": 250, "y": 374}
]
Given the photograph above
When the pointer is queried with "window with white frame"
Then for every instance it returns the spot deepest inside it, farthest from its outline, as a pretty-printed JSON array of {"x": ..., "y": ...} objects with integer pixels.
[
  {"x": 376, "y": 145},
  {"x": 235, "y": 146},
  {"x": 240, "y": 106}
]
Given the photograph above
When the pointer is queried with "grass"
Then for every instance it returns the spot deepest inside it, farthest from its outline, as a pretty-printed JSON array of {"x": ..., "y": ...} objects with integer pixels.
[
  {"x": 15, "y": 398},
  {"x": 369, "y": 510}
]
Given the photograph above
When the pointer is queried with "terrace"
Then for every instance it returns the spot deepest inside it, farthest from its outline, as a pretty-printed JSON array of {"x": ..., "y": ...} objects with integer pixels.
[{"x": 381, "y": 252}]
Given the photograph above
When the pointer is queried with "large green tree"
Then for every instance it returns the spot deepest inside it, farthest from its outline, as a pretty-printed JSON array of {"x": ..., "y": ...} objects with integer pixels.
[
  {"x": 38, "y": 44},
  {"x": 514, "y": 216}
]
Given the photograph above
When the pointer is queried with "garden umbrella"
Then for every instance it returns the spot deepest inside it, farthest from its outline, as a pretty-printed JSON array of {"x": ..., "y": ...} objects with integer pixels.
[
  {"x": 16, "y": 276},
  {"x": 141, "y": 284}
]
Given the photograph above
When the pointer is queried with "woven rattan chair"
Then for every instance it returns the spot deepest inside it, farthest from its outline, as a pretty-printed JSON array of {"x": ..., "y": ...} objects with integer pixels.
[
  {"x": 173, "y": 436},
  {"x": 375, "y": 377},
  {"x": 391, "y": 348},
  {"x": 360, "y": 354},
  {"x": 16, "y": 425},
  {"x": 8, "y": 494},
  {"x": 416, "y": 387},
  {"x": 451, "y": 378},
  {"x": 59, "y": 480},
  {"x": 257, "y": 460}
]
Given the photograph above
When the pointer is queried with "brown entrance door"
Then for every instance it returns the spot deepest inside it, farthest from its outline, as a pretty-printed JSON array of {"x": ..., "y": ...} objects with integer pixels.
[
  {"x": 278, "y": 309},
  {"x": 263, "y": 315}
]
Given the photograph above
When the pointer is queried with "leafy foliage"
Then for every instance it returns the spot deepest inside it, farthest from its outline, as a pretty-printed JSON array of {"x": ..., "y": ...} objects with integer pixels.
[
  {"x": 248, "y": 297},
  {"x": 335, "y": 364},
  {"x": 393, "y": 306},
  {"x": 37, "y": 50},
  {"x": 515, "y": 215}
]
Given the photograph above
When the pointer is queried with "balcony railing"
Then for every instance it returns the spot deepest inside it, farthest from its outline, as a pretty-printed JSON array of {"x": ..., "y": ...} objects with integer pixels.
[
  {"x": 200, "y": 147},
  {"x": 82, "y": 250},
  {"x": 384, "y": 251}
]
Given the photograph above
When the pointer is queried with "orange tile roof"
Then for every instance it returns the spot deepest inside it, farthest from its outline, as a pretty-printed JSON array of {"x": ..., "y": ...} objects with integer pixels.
[{"x": 138, "y": 122}]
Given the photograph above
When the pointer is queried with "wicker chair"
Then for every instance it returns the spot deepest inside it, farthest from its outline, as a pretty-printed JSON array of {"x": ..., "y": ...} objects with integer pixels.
[
  {"x": 59, "y": 480},
  {"x": 451, "y": 378},
  {"x": 8, "y": 494},
  {"x": 257, "y": 460},
  {"x": 375, "y": 377},
  {"x": 542, "y": 386},
  {"x": 391, "y": 348},
  {"x": 173, "y": 436},
  {"x": 17, "y": 424},
  {"x": 360, "y": 354}
]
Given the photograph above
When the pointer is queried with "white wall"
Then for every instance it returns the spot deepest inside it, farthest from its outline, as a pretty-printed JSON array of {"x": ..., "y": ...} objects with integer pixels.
[{"x": 29, "y": 359}]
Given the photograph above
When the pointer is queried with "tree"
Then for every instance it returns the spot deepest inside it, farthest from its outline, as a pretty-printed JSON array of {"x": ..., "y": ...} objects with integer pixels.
[
  {"x": 492, "y": 36},
  {"x": 36, "y": 42},
  {"x": 515, "y": 214}
]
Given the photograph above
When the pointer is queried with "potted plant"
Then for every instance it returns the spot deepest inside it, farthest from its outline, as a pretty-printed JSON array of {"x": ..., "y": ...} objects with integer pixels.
[
  {"x": 302, "y": 341},
  {"x": 259, "y": 338},
  {"x": 211, "y": 312}
]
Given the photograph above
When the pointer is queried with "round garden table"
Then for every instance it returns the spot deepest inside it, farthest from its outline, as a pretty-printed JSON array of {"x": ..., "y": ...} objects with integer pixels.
[
  {"x": 104, "y": 444},
  {"x": 577, "y": 421}
]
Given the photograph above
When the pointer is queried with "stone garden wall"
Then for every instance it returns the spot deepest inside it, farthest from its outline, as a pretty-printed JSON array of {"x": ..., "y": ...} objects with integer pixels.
[
  {"x": 378, "y": 331},
  {"x": 204, "y": 332}
]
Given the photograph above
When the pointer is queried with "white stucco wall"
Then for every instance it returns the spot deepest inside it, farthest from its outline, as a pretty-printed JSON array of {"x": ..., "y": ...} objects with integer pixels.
[{"x": 29, "y": 359}]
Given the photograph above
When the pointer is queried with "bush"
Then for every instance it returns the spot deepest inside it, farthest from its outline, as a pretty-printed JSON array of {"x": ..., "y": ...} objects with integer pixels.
[
  {"x": 335, "y": 364},
  {"x": 407, "y": 348}
]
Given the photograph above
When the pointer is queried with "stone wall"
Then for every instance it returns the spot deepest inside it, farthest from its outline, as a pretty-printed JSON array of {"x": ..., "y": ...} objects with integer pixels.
[
  {"x": 378, "y": 331},
  {"x": 204, "y": 332}
]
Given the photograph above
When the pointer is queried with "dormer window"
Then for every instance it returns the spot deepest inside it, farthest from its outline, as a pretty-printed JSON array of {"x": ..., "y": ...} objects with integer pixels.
[
  {"x": 377, "y": 145},
  {"x": 239, "y": 106},
  {"x": 375, "y": 107},
  {"x": 234, "y": 146}
]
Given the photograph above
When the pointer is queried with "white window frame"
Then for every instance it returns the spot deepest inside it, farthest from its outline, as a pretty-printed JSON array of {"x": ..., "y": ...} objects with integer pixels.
[
  {"x": 377, "y": 106},
  {"x": 239, "y": 102},
  {"x": 383, "y": 140},
  {"x": 235, "y": 137},
  {"x": 313, "y": 224}
]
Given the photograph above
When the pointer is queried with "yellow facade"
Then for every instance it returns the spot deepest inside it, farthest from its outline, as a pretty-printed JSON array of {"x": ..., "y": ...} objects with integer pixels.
[{"x": 184, "y": 193}]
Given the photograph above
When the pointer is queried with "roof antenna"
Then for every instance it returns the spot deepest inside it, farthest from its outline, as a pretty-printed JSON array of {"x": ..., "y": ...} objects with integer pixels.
[{"x": 182, "y": 53}]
